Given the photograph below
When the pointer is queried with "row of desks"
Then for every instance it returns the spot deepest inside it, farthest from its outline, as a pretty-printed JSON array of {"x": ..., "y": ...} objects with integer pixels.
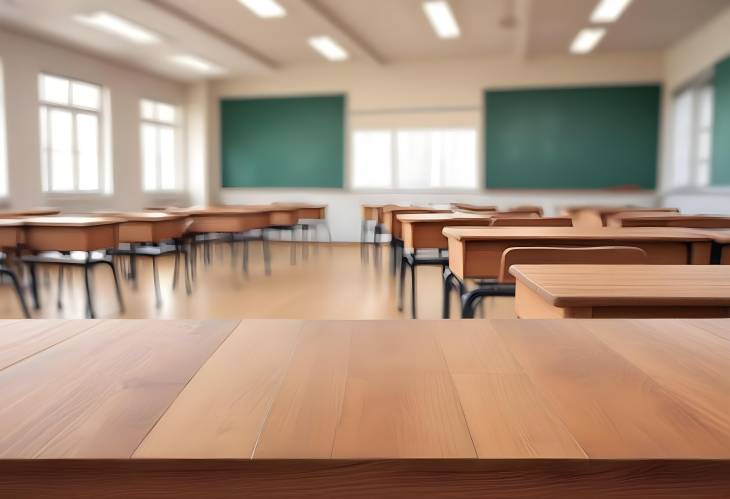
[
  {"x": 109, "y": 229},
  {"x": 533, "y": 409}
]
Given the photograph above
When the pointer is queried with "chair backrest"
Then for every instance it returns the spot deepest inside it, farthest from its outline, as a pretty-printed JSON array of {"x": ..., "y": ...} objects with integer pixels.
[
  {"x": 599, "y": 255},
  {"x": 527, "y": 209},
  {"x": 513, "y": 214},
  {"x": 532, "y": 221}
]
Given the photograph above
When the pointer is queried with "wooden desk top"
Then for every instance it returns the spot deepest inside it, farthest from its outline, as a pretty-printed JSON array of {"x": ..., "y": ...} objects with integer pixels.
[
  {"x": 416, "y": 218},
  {"x": 11, "y": 222},
  {"x": 32, "y": 212},
  {"x": 627, "y": 285},
  {"x": 573, "y": 233},
  {"x": 654, "y": 219},
  {"x": 607, "y": 210},
  {"x": 492, "y": 390},
  {"x": 69, "y": 221}
]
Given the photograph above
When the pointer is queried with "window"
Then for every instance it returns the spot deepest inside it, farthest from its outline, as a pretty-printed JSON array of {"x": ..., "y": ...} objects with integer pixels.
[
  {"x": 70, "y": 118},
  {"x": 415, "y": 159},
  {"x": 692, "y": 137},
  {"x": 159, "y": 146},
  {"x": 3, "y": 140}
]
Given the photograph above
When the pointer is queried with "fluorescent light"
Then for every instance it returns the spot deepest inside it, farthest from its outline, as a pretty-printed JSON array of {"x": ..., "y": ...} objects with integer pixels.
[
  {"x": 587, "y": 40},
  {"x": 608, "y": 11},
  {"x": 329, "y": 48},
  {"x": 442, "y": 18},
  {"x": 264, "y": 8},
  {"x": 198, "y": 64},
  {"x": 118, "y": 26}
]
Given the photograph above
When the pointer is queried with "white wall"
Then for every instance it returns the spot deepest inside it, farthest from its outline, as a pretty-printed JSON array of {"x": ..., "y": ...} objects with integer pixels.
[
  {"x": 23, "y": 59},
  {"x": 427, "y": 94},
  {"x": 692, "y": 56}
]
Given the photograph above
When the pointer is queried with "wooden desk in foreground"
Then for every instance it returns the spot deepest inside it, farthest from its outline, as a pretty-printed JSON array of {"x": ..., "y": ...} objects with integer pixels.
[
  {"x": 622, "y": 291},
  {"x": 477, "y": 252},
  {"x": 529, "y": 409}
]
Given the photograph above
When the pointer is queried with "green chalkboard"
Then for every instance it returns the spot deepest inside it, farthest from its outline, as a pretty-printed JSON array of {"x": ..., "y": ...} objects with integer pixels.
[
  {"x": 721, "y": 126},
  {"x": 283, "y": 142},
  {"x": 572, "y": 138}
]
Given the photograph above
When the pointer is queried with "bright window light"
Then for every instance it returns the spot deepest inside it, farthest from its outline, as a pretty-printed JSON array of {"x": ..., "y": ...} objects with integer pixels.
[
  {"x": 118, "y": 26},
  {"x": 587, "y": 40},
  {"x": 198, "y": 64},
  {"x": 264, "y": 8},
  {"x": 608, "y": 11},
  {"x": 159, "y": 146},
  {"x": 442, "y": 18},
  {"x": 328, "y": 48}
]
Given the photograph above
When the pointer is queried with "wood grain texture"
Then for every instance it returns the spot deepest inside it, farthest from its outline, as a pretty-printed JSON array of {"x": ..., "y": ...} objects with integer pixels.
[
  {"x": 307, "y": 407},
  {"x": 223, "y": 408},
  {"x": 627, "y": 285},
  {"x": 417, "y": 478},
  {"x": 23, "y": 339},
  {"x": 99, "y": 393},
  {"x": 612, "y": 408},
  {"x": 400, "y": 401}
]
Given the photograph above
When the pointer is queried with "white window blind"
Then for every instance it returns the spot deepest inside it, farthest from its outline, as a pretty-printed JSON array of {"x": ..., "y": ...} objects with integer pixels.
[
  {"x": 692, "y": 137},
  {"x": 159, "y": 146}
]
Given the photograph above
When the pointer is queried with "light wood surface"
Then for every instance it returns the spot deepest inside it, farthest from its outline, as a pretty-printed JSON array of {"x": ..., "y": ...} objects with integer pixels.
[
  {"x": 477, "y": 252},
  {"x": 524, "y": 399},
  {"x": 597, "y": 216},
  {"x": 600, "y": 291},
  {"x": 32, "y": 212},
  {"x": 394, "y": 226}
]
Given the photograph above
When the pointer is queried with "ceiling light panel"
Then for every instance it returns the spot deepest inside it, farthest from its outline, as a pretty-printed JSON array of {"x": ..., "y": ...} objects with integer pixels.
[
  {"x": 120, "y": 27},
  {"x": 198, "y": 64},
  {"x": 328, "y": 48},
  {"x": 264, "y": 8},
  {"x": 442, "y": 18},
  {"x": 587, "y": 40},
  {"x": 609, "y": 11}
]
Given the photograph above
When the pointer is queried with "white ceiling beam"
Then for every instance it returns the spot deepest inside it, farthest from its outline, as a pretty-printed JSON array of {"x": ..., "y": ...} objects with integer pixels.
[
  {"x": 180, "y": 14},
  {"x": 523, "y": 12},
  {"x": 340, "y": 31}
]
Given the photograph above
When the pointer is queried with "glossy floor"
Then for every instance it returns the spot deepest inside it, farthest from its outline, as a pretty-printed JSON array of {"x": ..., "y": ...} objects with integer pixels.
[{"x": 332, "y": 283}]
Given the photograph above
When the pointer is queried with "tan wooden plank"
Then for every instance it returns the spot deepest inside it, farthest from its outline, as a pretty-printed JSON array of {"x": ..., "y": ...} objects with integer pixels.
[
  {"x": 20, "y": 340},
  {"x": 614, "y": 409},
  {"x": 306, "y": 410},
  {"x": 507, "y": 418},
  {"x": 222, "y": 410},
  {"x": 688, "y": 361},
  {"x": 400, "y": 401},
  {"x": 97, "y": 395}
]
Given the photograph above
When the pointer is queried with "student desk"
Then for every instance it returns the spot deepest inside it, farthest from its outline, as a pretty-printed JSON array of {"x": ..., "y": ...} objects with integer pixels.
[
  {"x": 621, "y": 291},
  {"x": 597, "y": 216},
  {"x": 721, "y": 245},
  {"x": 65, "y": 234},
  {"x": 528, "y": 409},
  {"x": 424, "y": 230},
  {"x": 32, "y": 212},
  {"x": 652, "y": 219},
  {"x": 394, "y": 227},
  {"x": 476, "y": 252}
]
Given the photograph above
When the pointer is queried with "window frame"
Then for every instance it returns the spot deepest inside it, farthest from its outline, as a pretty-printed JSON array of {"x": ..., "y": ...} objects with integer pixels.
[
  {"x": 159, "y": 125},
  {"x": 395, "y": 173}
]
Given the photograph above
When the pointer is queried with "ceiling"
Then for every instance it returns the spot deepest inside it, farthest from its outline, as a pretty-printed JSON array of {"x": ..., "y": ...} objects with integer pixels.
[{"x": 375, "y": 31}]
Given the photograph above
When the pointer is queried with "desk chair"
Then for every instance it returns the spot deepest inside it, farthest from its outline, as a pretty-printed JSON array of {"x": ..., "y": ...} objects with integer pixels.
[
  {"x": 6, "y": 272},
  {"x": 505, "y": 284}
]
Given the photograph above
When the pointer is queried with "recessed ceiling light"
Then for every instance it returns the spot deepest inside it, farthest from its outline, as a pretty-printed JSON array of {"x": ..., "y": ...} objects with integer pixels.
[
  {"x": 264, "y": 8},
  {"x": 587, "y": 40},
  {"x": 198, "y": 64},
  {"x": 118, "y": 26},
  {"x": 608, "y": 11},
  {"x": 329, "y": 48},
  {"x": 442, "y": 18}
]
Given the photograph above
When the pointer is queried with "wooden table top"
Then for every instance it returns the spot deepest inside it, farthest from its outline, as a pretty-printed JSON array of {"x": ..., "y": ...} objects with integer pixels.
[
  {"x": 363, "y": 390},
  {"x": 653, "y": 219},
  {"x": 416, "y": 218},
  {"x": 607, "y": 210},
  {"x": 32, "y": 212},
  {"x": 71, "y": 221},
  {"x": 627, "y": 285},
  {"x": 573, "y": 233}
]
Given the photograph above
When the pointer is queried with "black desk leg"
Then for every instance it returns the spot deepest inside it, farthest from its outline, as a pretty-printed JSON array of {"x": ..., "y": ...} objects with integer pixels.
[
  {"x": 34, "y": 287},
  {"x": 18, "y": 291}
]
